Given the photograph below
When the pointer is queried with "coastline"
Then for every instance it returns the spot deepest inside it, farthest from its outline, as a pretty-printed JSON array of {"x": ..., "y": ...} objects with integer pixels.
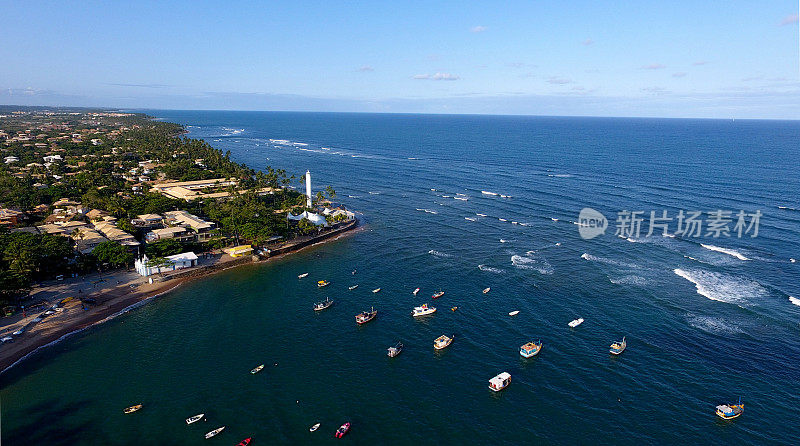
[{"x": 114, "y": 306}]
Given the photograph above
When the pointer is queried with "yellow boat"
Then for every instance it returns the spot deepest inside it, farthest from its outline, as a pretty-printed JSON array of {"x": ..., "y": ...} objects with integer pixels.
[
  {"x": 730, "y": 411},
  {"x": 323, "y": 283},
  {"x": 132, "y": 409}
]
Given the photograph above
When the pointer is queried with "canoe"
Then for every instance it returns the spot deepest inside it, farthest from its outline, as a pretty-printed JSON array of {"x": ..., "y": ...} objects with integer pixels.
[
  {"x": 514, "y": 313},
  {"x": 313, "y": 428},
  {"x": 257, "y": 369},
  {"x": 352, "y": 287},
  {"x": 486, "y": 290},
  {"x": 245, "y": 442},
  {"x": 415, "y": 291},
  {"x": 376, "y": 290},
  {"x": 215, "y": 432},
  {"x": 342, "y": 430},
  {"x": 195, "y": 418},
  {"x": 132, "y": 409},
  {"x": 302, "y": 275}
]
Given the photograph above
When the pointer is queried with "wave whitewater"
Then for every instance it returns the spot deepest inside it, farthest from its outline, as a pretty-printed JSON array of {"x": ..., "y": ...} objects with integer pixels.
[
  {"x": 730, "y": 252},
  {"x": 724, "y": 287},
  {"x": 436, "y": 253},
  {"x": 490, "y": 269}
]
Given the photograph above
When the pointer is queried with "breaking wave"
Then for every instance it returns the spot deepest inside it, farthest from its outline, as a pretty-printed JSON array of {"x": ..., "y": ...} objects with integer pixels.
[
  {"x": 794, "y": 300},
  {"x": 541, "y": 266},
  {"x": 713, "y": 324},
  {"x": 730, "y": 252},
  {"x": 490, "y": 269},
  {"x": 436, "y": 253},
  {"x": 723, "y": 287}
]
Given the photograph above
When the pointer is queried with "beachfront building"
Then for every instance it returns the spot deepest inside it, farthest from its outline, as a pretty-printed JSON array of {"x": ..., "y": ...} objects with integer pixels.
[
  {"x": 147, "y": 221},
  {"x": 312, "y": 217},
  {"x": 202, "y": 227},
  {"x": 177, "y": 232},
  {"x": 179, "y": 261},
  {"x": 110, "y": 230}
]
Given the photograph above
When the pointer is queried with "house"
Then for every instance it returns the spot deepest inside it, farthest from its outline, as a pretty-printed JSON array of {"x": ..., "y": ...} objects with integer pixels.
[
  {"x": 11, "y": 159},
  {"x": 10, "y": 217},
  {"x": 87, "y": 239},
  {"x": 96, "y": 214},
  {"x": 110, "y": 230},
  {"x": 52, "y": 158},
  {"x": 147, "y": 221},
  {"x": 176, "y": 232},
  {"x": 178, "y": 261},
  {"x": 202, "y": 227}
]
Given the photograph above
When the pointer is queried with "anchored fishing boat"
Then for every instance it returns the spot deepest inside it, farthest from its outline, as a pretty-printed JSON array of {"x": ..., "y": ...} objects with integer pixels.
[
  {"x": 530, "y": 349},
  {"x": 366, "y": 316},
  {"x": 302, "y": 275},
  {"x": 215, "y": 432},
  {"x": 194, "y": 419},
  {"x": 730, "y": 411},
  {"x": 513, "y": 313},
  {"x": 132, "y": 409},
  {"x": 423, "y": 310},
  {"x": 575, "y": 322},
  {"x": 257, "y": 369},
  {"x": 395, "y": 349},
  {"x": 342, "y": 431},
  {"x": 500, "y": 381},
  {"x": 438, "y": 294},
  {"x": 323, "y": 283},
  {"x": 442, "y": 342},
  {"x": 618, "y": 347},
  {"x": 319, "y": 306}
]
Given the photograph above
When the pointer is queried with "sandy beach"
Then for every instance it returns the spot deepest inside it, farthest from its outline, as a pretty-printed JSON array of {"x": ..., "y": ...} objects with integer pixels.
[{"x": 116, "y": 292}]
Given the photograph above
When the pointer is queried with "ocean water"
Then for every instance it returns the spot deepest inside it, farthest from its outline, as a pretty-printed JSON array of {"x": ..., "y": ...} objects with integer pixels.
[{"x": 706, "y": 320}]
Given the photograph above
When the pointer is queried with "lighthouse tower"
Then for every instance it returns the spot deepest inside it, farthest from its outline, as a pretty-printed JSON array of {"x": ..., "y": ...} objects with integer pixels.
[{"x": 308, "y": 188}]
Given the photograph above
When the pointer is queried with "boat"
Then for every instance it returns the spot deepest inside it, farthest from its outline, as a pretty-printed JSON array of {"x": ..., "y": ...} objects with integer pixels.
[
  {"x": 500, "y": 381},
  {"x": 19, "y": 332},
  {"x": 319, "y": 306},
  {"x": 486, "y": 290},
  {"x": 423, "y": 310},
  {"x": 342, "y": 430},
  {"x": 245, "y": 442},
  {"x": 513, "y": 313},
  {"x": 366, "y": 316},
  {"x": 416, "y": 290},
  {"x": 730, "y": 411},
  {"x": 302, "y": 275},
  {"x": 323, "y": 283},
  {"x": 132, "y": 409},
  {"x": 438, "y": 294},
  {"x": 376, "y": 290},
  {"x": 530, "y": 349},
  {"x": 257, "y": 369},
  {"x": 395, "y": 349},
  {"x": 454, "y": 309},
  {"x": 576, "y": 322},
  {"x": 354, "y": 272},
  {"x": 618, "y": 347},
  {"x": 214, "y": 432},
  {"x": 352, "y": 287},
  {"x": 313, "y": 428},
  {"x": 442, "y": 342},
  {"x": 195, "y": 418}
]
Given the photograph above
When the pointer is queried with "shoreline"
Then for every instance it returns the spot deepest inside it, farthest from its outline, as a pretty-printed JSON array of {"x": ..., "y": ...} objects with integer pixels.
[{"x": 117, "y": 306}]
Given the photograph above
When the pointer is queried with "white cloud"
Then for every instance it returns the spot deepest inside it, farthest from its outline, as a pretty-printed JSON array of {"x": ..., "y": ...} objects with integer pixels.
[
  {"x": 478, "y": 29},
  {"x": 679, "y": 74},
  {"x": 699, "y": 62},
  {"x": 365, "y": 69},
  {"x": 654, "y": 66},
  {"x": 789, "y": 19},
  {"x": 438, "y": 77},
  {"x": 587, "y": 42},
  {"x": 559, "y": 80}
]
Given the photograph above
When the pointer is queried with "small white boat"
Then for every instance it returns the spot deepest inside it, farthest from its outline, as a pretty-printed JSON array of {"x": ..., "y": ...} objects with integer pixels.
[
  {"x": 442, "y": 342},
  {"x": 376, "y": 290},
  {"x": 313, "y": 428},
  {"x": 486, "y": 290},
  {"x": 195, "y": 418},
  {"x": 352, "y": 287},
  {"x": 437, "y": 295},
  {"x": 514, "y": 313},
  {"x": 618, "y": 347},
  {"x": 394, "y": 350},
  {"x": 302, "y": 275},
  {"x": 416, "y": 290},
  {"x": 215, "y": 432},
  {"x": 319, "y": 306},
  {"x": 500, "y": 381},
  {"x": 576, "y": 322},
  {"x": 423, "y": 310},
  {"x": 257, "y": 369},
  {"x": 18, "y": 332}
]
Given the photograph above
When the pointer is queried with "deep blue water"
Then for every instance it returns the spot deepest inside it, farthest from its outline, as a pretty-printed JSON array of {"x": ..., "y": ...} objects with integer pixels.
[{"x": 703, "y": 326}]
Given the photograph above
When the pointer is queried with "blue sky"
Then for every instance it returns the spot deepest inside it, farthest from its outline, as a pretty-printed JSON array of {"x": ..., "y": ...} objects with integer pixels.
[{"x": 677, "y": 58}]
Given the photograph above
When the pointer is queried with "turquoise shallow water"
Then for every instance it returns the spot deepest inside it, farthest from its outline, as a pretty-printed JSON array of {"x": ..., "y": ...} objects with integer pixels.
[{"x": 721, "y": 329}]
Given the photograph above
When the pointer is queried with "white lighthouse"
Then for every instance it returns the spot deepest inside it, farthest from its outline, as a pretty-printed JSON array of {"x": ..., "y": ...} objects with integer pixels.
[{"x": 308, "y": 189}]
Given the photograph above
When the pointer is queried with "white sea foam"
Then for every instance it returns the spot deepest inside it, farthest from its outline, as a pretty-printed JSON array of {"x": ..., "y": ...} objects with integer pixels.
[
  {"x": 554, "y": 219},
  {"x": 374, "y": 193},
  {"x": 505, "y": 196},
  {"x": 587, "y": 256},
  {"x": 502, "y": 240},
  {"x": 730, "y": 252},
  {"x": 559, "y": 175},
  {"x": 713, "y": 324},
  {"x": 490, "y": 269},
  {"x": 470, "y": 219},
  {"x": 502, "y": 219},
  {"x": 486, "y": 192},
  {"x": 794, "y": 300},
  {"x": 724, "y": 287},
  {"x": 524, "y": 224},
  {"x": 540, "y": 265},
  {"x": 427, "y": 211},
  {"x": 792, "y": 260},
  {"x": 461, "y": 198},
  {"x": 481, "y": 215},
  {"x": 439, "y": 254},
  {"x": 631, "y": 279}
]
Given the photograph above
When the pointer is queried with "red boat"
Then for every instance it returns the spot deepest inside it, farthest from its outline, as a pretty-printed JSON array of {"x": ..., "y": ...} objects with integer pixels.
[
  {"x": 245, "y": 442},
  {"x": 342, "y": 430}
]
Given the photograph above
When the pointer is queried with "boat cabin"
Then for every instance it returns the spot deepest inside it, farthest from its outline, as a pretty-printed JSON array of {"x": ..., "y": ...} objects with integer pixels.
[{"x": 500, "y": 381}]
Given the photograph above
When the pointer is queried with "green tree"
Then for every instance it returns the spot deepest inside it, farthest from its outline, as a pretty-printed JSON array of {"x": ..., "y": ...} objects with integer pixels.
[{"x": 113, "y": 254}]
